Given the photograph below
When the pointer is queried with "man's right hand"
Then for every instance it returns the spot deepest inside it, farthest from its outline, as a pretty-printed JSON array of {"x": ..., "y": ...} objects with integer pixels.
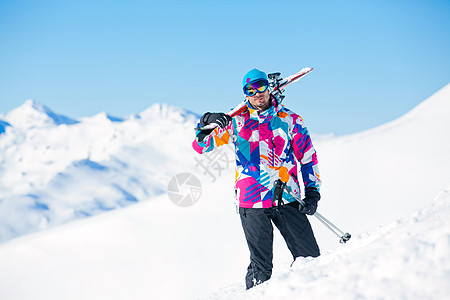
[{"x": 220, "y": 119}]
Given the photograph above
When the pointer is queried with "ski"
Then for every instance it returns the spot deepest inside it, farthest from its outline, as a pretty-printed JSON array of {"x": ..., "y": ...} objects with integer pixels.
[{"x": 277, "y": 86}]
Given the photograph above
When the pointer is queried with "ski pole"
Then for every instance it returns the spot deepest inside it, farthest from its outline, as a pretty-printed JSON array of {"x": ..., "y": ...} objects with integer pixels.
[{"x": 344, "y": 237}]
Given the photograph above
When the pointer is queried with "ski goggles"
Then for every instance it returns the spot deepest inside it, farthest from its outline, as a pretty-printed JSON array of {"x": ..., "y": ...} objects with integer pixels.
[{"x": 259, "y": 86}]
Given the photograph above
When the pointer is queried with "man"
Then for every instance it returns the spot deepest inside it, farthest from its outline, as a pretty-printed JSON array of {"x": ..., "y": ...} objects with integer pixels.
[{"x": 270, "y": 141}]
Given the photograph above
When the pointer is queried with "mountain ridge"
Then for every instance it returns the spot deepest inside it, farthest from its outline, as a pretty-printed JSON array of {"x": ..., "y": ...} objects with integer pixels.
[{"x": 32, "y": 114}]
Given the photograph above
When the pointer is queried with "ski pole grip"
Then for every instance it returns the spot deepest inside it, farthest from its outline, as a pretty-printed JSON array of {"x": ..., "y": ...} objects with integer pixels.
[{"x": 278, "y": 192}]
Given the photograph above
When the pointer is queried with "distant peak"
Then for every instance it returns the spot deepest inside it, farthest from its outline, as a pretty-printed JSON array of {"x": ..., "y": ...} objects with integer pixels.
[
  {"x": 103, "y": 116},
  {"x": 35, "y": 105},
  {"x": 167, "y": 111},
  {"x": 32, "y": 113}
]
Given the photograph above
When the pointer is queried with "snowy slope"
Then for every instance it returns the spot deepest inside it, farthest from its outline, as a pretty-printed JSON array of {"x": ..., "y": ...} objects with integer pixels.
[
  {"x": 155, "y": 249},
  {"x": 406, "y": 259},
  {"x": 382, "y": 174},
  {"x": 151, "y": 250}
]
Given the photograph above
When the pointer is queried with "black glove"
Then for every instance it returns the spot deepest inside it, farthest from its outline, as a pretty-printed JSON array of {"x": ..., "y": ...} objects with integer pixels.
[
  {"x": 220, "y": 119},
  {"x": 312, "y": 196}
]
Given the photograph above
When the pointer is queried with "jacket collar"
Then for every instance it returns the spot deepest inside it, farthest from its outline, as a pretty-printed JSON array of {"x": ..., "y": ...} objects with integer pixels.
[{"x": 272, "y": 110}]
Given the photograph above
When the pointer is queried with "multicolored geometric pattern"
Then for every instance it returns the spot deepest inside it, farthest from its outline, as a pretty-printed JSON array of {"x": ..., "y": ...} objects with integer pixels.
[{"x": 268, "y": 146}]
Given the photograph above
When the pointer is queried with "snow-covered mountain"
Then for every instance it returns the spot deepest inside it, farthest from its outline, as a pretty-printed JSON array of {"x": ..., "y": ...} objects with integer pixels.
[
  {"x": 388, "y": 186},
  {"x": 54, "y": 169}
]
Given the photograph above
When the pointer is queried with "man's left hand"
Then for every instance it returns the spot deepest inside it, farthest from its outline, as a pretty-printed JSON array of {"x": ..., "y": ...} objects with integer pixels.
[{"x": 311, "y": 199}]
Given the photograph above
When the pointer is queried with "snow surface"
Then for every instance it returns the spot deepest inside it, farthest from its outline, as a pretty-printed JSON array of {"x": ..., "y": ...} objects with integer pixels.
[
  {"x": 389, "y": 187},
  {"x": 406, "y": 259}
]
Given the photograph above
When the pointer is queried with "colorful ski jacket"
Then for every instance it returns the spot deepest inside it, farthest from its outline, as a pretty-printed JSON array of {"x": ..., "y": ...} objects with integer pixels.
[{"x": 268, "y": 146}]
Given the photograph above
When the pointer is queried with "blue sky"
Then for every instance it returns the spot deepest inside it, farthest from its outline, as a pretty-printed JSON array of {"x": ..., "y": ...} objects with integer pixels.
[{"x": 373, "y": 60}]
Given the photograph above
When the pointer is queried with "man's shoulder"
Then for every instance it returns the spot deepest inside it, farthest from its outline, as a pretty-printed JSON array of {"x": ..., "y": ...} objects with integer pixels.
[{"x": 286, "y": 112}]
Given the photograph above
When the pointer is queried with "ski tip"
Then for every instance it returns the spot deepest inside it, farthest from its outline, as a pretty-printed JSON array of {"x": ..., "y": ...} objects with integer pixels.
[{"x": 303, "y": 71}]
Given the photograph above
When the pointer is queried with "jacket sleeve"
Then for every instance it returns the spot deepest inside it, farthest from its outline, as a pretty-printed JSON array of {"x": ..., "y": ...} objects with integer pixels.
[
  {"x": 216, "y": 138},
  {"x": 306, "y": 155}
]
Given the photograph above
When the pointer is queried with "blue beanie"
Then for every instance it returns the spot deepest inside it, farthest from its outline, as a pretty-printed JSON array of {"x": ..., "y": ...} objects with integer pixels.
[{"x": 253, "y": 75}]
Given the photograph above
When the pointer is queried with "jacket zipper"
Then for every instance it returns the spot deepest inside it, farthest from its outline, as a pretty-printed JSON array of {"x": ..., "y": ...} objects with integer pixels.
[{"x": 273, "y": 151}]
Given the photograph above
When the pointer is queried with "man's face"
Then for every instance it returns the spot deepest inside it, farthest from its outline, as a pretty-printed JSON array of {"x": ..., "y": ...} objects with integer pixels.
[{"x": 260, "y": 101}]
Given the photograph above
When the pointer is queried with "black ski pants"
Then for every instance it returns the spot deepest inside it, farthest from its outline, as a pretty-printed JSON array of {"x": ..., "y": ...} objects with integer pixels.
[{"x": 294, "y": 227}]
